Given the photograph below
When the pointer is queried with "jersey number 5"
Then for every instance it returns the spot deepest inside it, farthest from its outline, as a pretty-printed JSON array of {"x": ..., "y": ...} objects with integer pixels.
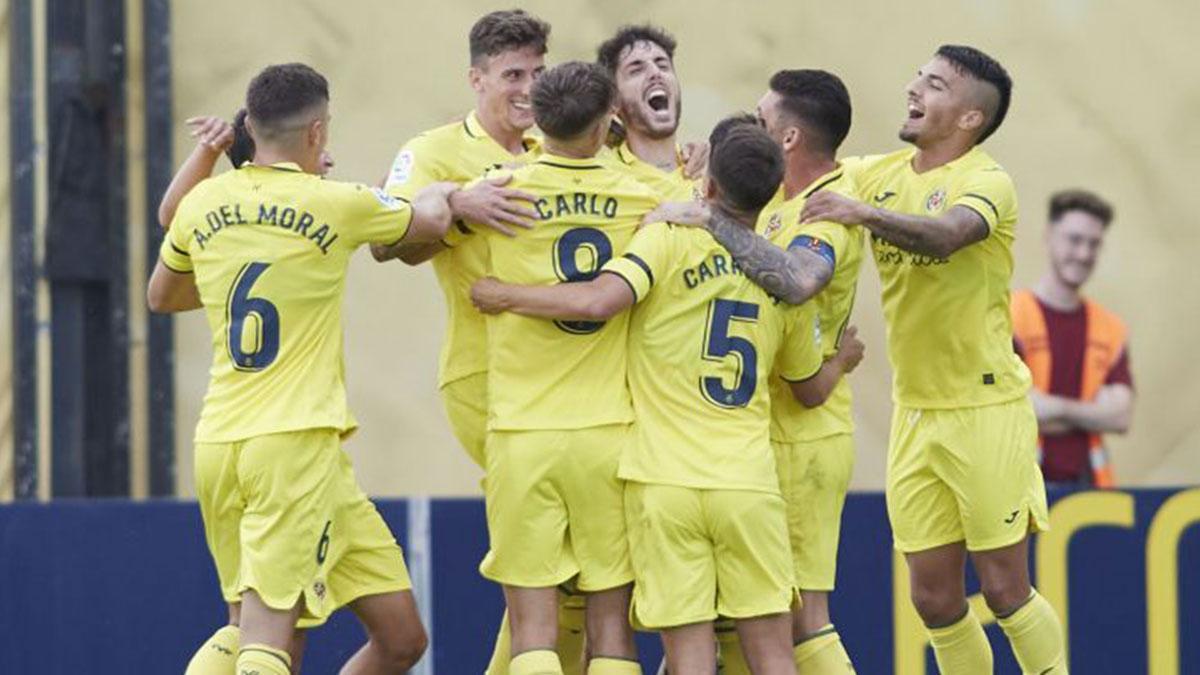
[
  {"x": 252, "y": 345},
  {"x": 597, "y": 249},
  {"x": 719, "y": 345}
]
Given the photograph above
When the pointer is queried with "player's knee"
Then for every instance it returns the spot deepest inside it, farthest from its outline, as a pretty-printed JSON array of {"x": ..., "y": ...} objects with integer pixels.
[
  {"x": 401, "y": 650},
  {"x": 1004, "y": 595},
  {"x": 937, "y": 606}
]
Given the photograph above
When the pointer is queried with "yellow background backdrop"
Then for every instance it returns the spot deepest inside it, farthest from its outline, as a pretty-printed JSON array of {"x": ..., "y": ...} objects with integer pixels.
[{"x": 1105, "y": 98}]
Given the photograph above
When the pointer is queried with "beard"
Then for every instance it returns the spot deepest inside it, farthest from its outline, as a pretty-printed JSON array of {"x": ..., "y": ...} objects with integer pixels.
[{"x": 635, "y": 118}]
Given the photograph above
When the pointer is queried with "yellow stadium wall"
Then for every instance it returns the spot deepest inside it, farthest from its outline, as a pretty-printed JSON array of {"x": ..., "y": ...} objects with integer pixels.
[{"x": 1105, "y": 98}]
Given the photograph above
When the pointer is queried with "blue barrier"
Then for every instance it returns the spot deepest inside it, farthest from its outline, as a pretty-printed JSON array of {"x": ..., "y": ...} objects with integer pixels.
[{"x": 128, "y": 587}]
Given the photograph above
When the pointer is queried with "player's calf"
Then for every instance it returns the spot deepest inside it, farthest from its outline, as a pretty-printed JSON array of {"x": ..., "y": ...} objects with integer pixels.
[{"x": 767, "y": 644}]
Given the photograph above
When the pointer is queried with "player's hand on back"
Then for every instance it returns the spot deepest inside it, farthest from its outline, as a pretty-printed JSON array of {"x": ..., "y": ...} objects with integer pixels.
[
  {"x": 850, "y": 350},
  {"x": 691, "y": 214},
  {"x": 213, "y": 133},
  {"x": 487, "y": 294},
  {"x": 490, "y": 203},
  {"x": 695, "y": 159},
  {"x": 833, "y": 207}
]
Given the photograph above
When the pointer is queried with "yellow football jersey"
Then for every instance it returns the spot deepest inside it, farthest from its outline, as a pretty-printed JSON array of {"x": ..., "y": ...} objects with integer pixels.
[
  {"x": 671, "y": 186},
  {"x": 269, "y": 246},
  {"x": 948, "y": 324},
  {"x": 457, "y": 152},
  {"x": 843, "y": 247},
  {"x": 703, "y": 342},
  {"x": 563, "y": 374}
]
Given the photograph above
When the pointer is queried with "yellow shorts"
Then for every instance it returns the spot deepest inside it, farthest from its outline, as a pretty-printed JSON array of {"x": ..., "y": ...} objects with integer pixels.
[
  {"x": 964, "y": 474},
  {"x": 698, "y": 554},
  {"x": 814, "y": 477},
  {"x": 465, "y": 401},
  {"x": 555, "y": 509},
  {"x": 284, "y": 516}
]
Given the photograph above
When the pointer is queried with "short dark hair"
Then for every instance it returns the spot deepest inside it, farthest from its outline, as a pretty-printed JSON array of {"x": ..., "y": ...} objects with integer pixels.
[
  {"x": 745, "y": 163},
  {"x": 281, "y": 92},
  {"x": 818, "y": 100},
  {"x": 570, "y": 97},
  {"x": 608, "y": 55},
  {"x": 506, "y": 30},
  {"x": 1076, "y": 199},
  {"x": 241, "y": 150},
  {"x": 986, "y": 69}
]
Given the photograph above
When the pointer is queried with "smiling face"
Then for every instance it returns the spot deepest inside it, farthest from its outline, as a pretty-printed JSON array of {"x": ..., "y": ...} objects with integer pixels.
[
  {"x": 648, "y": 96},
  {"x": 942, "y": 102},
  {"x": 502, "y": 84},
  {"x": 1074, "y": 242}
]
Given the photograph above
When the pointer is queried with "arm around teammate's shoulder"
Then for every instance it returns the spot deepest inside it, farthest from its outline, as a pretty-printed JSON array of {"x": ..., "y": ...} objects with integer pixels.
[
  {"x": 938, "y": 236},
  {"x": 597, "y": 300}
]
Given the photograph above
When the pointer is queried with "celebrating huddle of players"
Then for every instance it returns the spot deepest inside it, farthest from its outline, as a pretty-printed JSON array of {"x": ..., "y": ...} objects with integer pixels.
[{"x": 646, "y": 352}]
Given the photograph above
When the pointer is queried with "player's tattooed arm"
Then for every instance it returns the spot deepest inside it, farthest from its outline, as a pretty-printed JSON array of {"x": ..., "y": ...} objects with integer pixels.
[
  {"x": 939, "y": 237},
  {"x": 597, "y": 300},
  {"x": 792, "y": 275}
]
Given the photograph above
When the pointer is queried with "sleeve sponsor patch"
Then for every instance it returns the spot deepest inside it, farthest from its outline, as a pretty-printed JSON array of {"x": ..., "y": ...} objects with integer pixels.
[
  {"x": 386, "y": 199},
  {"x": 401, "y": 168},
  {"x": 815, "y": 245}
]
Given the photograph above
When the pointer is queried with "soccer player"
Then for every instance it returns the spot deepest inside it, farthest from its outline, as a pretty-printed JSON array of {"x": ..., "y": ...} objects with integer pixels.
[
  {"x": 641, "y": 60},
  {"x": 264, "y": 250},
  {"x": 1076, "y": 349},
  {"x": 554, "y": 503},
  {"x": 708, "y": 528},
  {"x": 507, "y": 53},
  {"x": 962, "y": 465},
  {"x": 215, "y": 136},
  {"x": 807, "y": 112}
]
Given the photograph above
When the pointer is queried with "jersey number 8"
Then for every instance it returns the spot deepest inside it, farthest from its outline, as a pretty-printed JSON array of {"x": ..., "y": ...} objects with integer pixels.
[
  {"x": 597, "y": 248},
  {"x": 263, "y": 345}
]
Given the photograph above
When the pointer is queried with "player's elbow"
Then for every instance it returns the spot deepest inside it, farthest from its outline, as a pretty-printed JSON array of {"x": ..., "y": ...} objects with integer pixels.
[
  {"x": 809, "y": 393},
  {"x": 165, "y": 214},
  {"x": 1121, "y": 422},
  {"x": 158, "y": 300},
  {"x": 598, "y": 309}
]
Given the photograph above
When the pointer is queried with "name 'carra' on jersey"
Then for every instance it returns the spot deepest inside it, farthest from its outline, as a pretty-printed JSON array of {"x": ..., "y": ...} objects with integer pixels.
[{"x": 576, "y": 203}]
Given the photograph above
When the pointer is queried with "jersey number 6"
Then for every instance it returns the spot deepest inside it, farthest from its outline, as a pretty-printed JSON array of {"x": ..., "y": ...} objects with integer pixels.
[
  {"x": 263, "y": 345},
  {"x": 719, "y": 344}
]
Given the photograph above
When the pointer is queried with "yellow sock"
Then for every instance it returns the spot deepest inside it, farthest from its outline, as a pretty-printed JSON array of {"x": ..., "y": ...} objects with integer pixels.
[
  {"x": 535, "y": 662},
  {"x": 962, "y": 648},
  {"x": 822, "y": 653},
  {"x": 572, "y": 612},
  {"x": 218, "y": 655},
  {"x": 1036, "y": 637},
  {"x": 730, "y": 659},
  {"x": 263, "y": 660},
  {"x": 604, "y": 665},
  {"x": 501, "y": 653}
]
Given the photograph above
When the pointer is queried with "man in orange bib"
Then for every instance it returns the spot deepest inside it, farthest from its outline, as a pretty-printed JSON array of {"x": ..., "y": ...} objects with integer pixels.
[{"x": 1076, "y": 350}]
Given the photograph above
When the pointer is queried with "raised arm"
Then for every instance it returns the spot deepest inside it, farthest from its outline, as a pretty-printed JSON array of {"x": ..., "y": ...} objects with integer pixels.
[
  {"x": 214, "y": 136},
  {"x": 938, "y": 236},
  {"x": 597, "y": 300},
  {"x": 814, "y": 391}
]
